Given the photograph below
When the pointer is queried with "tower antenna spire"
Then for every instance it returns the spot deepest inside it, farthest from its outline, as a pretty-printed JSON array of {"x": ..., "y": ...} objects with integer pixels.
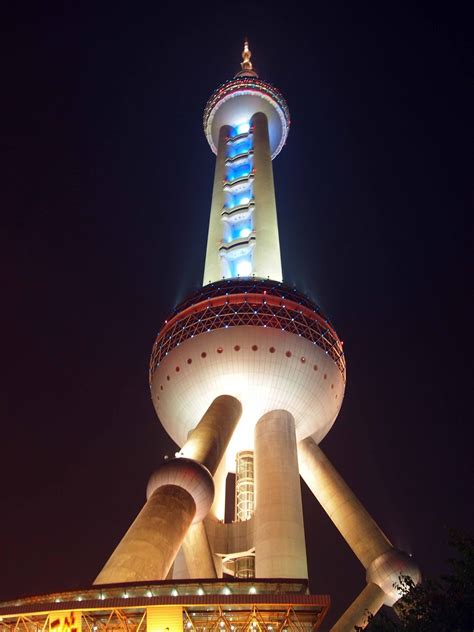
[
  {"x": 246, "y": 55},
  {"x": 246, "y": 64}
]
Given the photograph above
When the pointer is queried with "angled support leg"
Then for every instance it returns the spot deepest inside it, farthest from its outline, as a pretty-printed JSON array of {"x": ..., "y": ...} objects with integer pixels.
[
  {"x": 383, "y": 563},
  {"x": 371, "y": 599},
  {"x": 179, "y": 494}
]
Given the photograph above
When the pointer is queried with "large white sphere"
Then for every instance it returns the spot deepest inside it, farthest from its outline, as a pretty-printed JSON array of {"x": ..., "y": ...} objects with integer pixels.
[{"x": 264, "y": 368}]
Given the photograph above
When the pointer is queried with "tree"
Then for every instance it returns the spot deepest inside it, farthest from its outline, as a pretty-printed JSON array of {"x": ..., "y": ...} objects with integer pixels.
[{"x": 444, "y": 604}]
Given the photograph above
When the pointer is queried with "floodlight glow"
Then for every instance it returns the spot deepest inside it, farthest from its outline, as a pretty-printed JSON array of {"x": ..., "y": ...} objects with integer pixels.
[
  {"x": 245, "y": 232},
  {"x": 244, "y": 268},
  {"x": 243, "y": 128},
  {"x": 244, "y": 200}
]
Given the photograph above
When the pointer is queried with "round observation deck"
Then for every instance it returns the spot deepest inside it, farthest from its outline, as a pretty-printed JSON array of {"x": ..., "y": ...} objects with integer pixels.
[
  {"x": 260, "y": 341},
  {"x": 237, "y": 100}
]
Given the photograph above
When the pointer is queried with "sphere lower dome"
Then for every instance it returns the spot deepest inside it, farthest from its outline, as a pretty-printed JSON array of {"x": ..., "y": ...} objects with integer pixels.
[
  {"x": 237, "y": 100},
  {"x": 259, "y": 341}
]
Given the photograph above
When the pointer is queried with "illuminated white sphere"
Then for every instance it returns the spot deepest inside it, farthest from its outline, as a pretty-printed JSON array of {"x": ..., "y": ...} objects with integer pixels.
[
  {"x": 213, "y": 348},
  {"x": 234, "y": 104}
]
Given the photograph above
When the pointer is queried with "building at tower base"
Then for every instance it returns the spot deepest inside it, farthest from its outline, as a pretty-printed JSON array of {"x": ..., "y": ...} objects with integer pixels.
[{"x": 171, "y": 606}]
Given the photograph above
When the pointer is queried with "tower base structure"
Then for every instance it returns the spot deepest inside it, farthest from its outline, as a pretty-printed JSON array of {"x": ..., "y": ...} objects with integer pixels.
[{"x": 170, "y": 606}]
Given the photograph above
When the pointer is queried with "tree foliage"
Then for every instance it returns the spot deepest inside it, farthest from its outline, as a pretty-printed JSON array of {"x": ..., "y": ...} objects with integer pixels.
[{"x": 444, "y": 604}]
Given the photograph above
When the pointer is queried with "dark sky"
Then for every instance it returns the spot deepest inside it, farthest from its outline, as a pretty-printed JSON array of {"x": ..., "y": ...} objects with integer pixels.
[{"x": 105, "y": 200}]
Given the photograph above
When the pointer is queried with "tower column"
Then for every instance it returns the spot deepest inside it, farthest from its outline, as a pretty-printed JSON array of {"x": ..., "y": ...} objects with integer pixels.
[
  {"x": 208, "y": 442},
  {"x": 384, "y": 564},
  {"x": 212, "y": 267},
  {"x": 266, "y": 256},
  {"x": 198, "y": 554},
  {"x": 150, "y": 545},
  {"x": 353, "y": 522},
  {"x": 280, "y": 549},
  {"x": 217, "y": 511},
  {"x": 371, "y": 599},
  {"x": 179, "y": 493}
]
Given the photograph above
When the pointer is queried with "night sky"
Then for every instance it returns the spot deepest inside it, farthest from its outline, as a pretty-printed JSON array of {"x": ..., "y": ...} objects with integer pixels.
[{"x": 105, "y": 203}]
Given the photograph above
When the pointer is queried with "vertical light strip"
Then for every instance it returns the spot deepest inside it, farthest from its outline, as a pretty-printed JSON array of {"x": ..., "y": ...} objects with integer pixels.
[
  {"x": 238, "y": 236},
  {"x": 244, "y": 506}
]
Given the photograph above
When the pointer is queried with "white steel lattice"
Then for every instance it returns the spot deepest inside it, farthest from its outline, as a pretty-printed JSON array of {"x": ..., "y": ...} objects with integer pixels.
[{"x": 242, "y": 310}]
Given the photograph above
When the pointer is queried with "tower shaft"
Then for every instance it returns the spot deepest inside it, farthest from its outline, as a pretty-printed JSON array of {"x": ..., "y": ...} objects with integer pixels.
[
  {"x": 243, "y": 237},
  {"x": 267, "y": 258},
  {"x": 280, "y": 549},
  {"x": 180, "y": 493}
]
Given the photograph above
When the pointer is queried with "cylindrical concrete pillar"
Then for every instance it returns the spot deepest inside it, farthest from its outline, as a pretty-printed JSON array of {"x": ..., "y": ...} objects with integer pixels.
[
  {"x": 209, "y": 440},
  {"x": 370, "y": 600},
  {"x": 198, "y": 554},
  {"x": 212, "y": 268},
  {"x": 179, "y": 570},
  {"x": 179, "y": 493},
  {"x": 266, "y": 255},
  {"x": 147, "y": 550},
  {"x": 280, "y": 549},
  {"x": 217, "y": 510},
  {"x": 356, "y": 526}
]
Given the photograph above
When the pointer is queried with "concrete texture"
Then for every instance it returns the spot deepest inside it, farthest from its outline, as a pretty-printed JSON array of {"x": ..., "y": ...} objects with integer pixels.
[
  {"x": 148, "y": 549},
  {"x": 371, "y": 599},
  {"x": 217, "y": 510},
  {"x": 266, "y": 256},
  {"x": 356, "y": 526},
  {"x": 212, "y": 268},
  {"x": 198, "y": 554},
  {"x": 386, "y": 571},
  {"x": 189, "y": 475},
  {"x": 280, "y": 549},
  {"x": 209, "y": 440}
]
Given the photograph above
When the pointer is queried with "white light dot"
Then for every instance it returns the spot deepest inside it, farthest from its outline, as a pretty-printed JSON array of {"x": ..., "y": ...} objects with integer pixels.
[{"x": 244, "y": 268}]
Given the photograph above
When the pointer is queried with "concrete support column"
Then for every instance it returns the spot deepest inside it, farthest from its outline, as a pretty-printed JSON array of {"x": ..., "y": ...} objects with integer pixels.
[
  {"x": 212, "y": 268},
  {"x": 198, "y": 554},
  {"x": 179, "y": 493},
  {"x": 384, "y": 564},
  {"x": 179, "y": 570},
  {"x": 370, "y": 600},
  {"x": 209, "y": 440},
  {"x": 356, "y": 526},
  {"x": 147, "y": 550},
  {"x": 266, "y": 255},
  {"x": 217, "y": 510},
  {"x": 280, "y": 549}
]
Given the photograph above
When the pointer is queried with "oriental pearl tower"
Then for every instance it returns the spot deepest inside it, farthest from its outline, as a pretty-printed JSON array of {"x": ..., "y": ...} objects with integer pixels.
[{"x": 247, "y": 376}]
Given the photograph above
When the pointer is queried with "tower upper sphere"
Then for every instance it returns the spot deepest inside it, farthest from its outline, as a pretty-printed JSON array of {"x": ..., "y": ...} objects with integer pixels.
[{"x": 237, "y": 100}]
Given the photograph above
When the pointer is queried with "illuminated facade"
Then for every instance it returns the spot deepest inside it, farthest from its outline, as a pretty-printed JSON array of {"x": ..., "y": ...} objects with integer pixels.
[{"x": 247, "y": 376}]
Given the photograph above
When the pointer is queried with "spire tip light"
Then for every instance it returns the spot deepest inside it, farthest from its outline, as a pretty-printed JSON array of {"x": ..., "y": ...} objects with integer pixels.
[{"x": 246, "y": 64}]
